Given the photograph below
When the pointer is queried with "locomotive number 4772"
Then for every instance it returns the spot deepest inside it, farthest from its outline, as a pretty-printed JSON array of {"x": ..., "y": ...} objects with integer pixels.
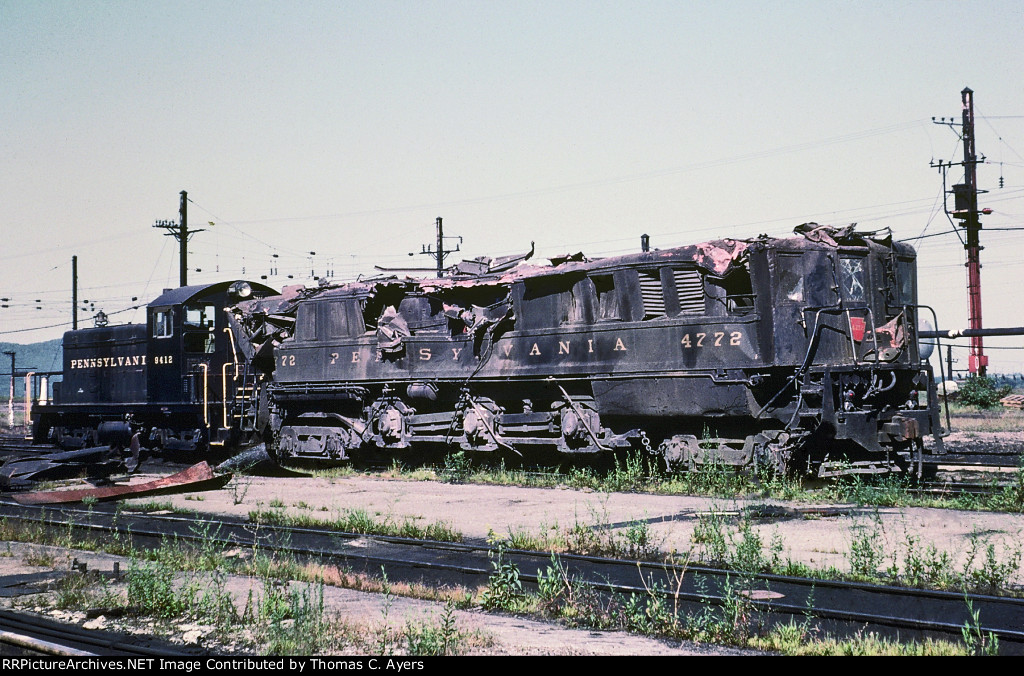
[{"x": 716, "y": 339}]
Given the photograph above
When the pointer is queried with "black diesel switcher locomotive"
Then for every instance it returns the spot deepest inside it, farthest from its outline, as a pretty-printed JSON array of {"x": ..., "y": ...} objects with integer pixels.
[{"x": 175, "y": 378}]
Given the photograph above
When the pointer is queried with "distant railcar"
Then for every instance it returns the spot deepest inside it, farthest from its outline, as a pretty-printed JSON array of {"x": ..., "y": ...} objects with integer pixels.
[
  {"x": 167, "y": 377},
  {"x": 798, "y": 353}
]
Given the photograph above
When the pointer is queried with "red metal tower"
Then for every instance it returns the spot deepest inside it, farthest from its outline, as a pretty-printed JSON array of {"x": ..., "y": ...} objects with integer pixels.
[
  {"x": 965, "y": 200},
  {"x": 966, "y": 209}
]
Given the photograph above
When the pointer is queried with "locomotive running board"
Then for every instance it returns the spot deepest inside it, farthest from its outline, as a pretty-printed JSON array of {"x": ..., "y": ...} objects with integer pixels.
[{"x": 194, "y": 479}]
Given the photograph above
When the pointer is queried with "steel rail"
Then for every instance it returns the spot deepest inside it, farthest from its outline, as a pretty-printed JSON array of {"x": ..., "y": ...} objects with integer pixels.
[
  {"x": 846, "y": 608},
  {"x": 50, "y": 637}
]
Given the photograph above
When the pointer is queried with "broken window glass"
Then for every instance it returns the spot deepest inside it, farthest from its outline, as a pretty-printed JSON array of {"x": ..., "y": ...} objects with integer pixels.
[
  {"x": 790, "y": 271},
  {"x": 852, "y": 277}
]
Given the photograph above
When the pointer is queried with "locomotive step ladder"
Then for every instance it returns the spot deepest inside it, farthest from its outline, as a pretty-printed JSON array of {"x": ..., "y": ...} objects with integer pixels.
[{"x": 243, "y": 408}]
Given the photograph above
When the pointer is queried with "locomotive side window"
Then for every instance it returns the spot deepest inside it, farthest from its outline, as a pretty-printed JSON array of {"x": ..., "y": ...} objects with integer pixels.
[
  {"x": 163, "y": 323},
  {"x": 607, "y": 297},
  {"x": 739, "y": 293},
  {"x": 652, "y": 293},
  {"x": 342, "y": 318},
  {"x": 790, "y": 271},
  {"x": 852, "y": 274},
  {"x": 689, "y": 291},
  {"x": 305, "y": 321}
]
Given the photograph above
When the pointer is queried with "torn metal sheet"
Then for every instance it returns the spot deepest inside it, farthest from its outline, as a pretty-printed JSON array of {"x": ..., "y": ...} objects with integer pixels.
[
  {"x": 256, "y": 461},
  {"x": 94, "y": 462},
  {"x": 194, "y": 479}
]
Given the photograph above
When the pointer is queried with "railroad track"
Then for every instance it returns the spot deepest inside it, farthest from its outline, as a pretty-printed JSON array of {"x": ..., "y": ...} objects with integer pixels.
[
  {"x": 26, "y": 634},
  {"x": 841, "y": 608},
  {"x": 14, "y": 446}
]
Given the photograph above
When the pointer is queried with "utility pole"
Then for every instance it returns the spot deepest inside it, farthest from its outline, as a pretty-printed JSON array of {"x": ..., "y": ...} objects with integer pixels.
[
  {"x": 966, "y": 204},
  {"x": 965, "y": 209},
  {"x": 74, "y": 293},
  {"x": 180, "y": 232},
  {"x": 10, "y": 402},
  {"x": 440, "y": 254}
]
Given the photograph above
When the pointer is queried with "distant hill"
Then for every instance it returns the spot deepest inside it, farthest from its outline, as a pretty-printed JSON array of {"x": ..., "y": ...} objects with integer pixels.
[{"x": 44, "y": 356}]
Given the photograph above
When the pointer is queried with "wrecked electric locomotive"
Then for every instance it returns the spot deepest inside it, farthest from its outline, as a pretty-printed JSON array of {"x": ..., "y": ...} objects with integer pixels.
[{"x": 797, "y": 353}]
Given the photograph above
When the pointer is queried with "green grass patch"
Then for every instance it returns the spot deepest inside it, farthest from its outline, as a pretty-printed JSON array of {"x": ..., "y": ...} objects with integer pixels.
[{"x": 359, "y": 521}]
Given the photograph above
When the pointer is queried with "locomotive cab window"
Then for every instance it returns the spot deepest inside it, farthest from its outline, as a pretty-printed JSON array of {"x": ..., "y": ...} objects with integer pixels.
[
  {"x": 790, "y": 278},
  {"x": 852, "y": 278},
  {"x": 163, "y": 323},
  {"x": 199, "y": 316},
  {"x": 907, "y": 294}
]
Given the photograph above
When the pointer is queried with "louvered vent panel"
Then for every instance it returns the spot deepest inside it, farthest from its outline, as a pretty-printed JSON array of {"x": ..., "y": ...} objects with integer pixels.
[
  {"x": 650, "y": 289},
  {"x": 690, "y": 288}
]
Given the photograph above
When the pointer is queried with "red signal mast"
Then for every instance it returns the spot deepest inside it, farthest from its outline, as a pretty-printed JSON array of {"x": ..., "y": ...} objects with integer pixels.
[{"x": 965, "y": 209}]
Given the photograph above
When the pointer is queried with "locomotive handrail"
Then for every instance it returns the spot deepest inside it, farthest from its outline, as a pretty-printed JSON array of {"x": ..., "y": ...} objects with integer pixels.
[
  {"x": 805, "y": 365},
  {"x": 224, "y": 390},
  {"x": 234, "y": 352},
  {"x": 224, "y": 373},
  {"x": 28, "y": 398},
  {"x": 942, "y": 371},
  {"x": 206, "y": 394}
]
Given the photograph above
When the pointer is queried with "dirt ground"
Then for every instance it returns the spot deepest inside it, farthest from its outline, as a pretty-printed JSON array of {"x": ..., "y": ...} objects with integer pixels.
[
  {"x": 817, "y": 535},
  {"x": 363, "y": 612}
]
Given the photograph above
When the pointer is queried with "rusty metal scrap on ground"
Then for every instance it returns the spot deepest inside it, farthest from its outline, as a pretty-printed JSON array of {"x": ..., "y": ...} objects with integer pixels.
[{"x": 199, "y": 477}]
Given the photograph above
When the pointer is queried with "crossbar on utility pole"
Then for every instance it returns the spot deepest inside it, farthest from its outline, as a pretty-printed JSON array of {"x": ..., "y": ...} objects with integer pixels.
[
  {"x": 441, "y": 253},
  {"x": 180, "y": 232}
]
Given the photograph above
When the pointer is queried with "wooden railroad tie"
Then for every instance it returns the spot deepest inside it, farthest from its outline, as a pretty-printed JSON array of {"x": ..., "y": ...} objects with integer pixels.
[{"x": 1013, "y": 401}]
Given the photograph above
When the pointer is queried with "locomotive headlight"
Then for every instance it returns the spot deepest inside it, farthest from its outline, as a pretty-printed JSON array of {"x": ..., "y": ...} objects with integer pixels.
[{"x": 240, "y": 290}]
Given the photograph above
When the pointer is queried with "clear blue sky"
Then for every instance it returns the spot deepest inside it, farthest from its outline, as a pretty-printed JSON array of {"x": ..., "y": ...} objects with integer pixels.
[{"x": 345, "y": 128}]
